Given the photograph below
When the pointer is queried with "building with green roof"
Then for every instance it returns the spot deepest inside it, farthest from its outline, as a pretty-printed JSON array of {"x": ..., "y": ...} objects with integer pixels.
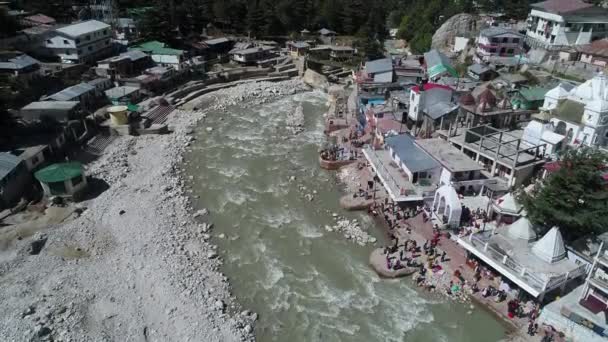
[
  {"x": 62, "y": 179},
  {"x": 162, "y": 54},
  {"x": 530, "y": 98},
  {"x": 438, "y": 64}
]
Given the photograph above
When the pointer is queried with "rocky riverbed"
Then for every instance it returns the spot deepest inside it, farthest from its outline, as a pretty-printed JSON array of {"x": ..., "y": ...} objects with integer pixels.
[{"x": 138, "y": 263}]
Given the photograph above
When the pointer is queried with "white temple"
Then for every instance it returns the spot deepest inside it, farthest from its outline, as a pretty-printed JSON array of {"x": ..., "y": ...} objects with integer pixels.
[
  {"x": 522, "y": 229},
  {"x": 551, "y": 247},
  {"x": 580, "y": 113},
  {"x": 537, "y": 267}
]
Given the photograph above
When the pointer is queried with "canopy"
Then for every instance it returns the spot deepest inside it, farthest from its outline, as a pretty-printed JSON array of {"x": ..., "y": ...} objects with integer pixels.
[{"x": 59, "y": 172}]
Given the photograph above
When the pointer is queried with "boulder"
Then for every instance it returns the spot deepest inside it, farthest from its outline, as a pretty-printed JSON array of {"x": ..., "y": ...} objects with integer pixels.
[
  {"x": 315, "y": 80},
  {"x": 462, "y": 24}
]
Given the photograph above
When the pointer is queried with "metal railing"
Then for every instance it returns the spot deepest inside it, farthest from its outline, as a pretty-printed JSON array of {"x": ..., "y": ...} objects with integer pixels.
[{"x": 535, "y": 281}]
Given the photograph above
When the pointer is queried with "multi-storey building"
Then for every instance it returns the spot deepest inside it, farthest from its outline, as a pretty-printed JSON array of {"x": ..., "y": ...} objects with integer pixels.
[
  {"x": 83, "y": 42},
  {"x": 498, "y": 42},
  {"x": 554, "y": 24}
]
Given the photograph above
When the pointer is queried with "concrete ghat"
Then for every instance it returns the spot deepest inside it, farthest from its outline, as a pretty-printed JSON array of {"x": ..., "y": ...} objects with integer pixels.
[{"x": 378, "y": 262}]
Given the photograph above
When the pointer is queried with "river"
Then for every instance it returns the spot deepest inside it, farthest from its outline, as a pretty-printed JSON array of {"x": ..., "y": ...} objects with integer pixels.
[{"x": 306, "y": 284}]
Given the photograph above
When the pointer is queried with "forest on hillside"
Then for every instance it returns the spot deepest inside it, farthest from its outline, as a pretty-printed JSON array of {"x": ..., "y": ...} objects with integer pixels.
[{"x": 367, "y": 20}]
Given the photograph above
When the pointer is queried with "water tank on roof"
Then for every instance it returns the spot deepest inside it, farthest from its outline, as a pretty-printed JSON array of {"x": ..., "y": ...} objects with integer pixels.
[{"x": 118, "y": 115}]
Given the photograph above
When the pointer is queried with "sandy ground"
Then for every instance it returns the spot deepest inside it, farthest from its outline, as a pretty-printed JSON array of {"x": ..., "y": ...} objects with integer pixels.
[{"x": 137, "y": 264}]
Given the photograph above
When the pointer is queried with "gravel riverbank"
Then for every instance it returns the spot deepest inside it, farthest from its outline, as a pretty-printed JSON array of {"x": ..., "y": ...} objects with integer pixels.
[{"x": 137, "y": 264}]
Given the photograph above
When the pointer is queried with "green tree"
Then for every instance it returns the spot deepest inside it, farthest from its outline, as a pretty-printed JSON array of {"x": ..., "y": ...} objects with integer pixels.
[
  {"x": 575, "y": 198},
  {"x": 155, "y": 25}
]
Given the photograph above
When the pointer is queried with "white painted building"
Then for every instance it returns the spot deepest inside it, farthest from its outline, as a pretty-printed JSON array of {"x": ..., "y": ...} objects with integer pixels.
[
  {"x": 83, "y": 42},
  {"x": 581, "y": 113},
  {"x": 554, "y": 24}
]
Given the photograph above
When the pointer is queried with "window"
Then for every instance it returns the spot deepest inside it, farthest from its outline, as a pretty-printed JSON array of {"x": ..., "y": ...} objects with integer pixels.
[
  {"x": 505, "y": 40},
  {"x": 88, "y": 37},
  {"x": 65, "y": 41},
  {"x": 67, "y": 52},
  {"x": 510, "y": 51},
  {"x": 77, "y": 41},
  {"x": 515, "y": 40},
  {"x": 494, "y": 40},
  {"x": 493, "y": 50},
  {"x": 34, "y": 159},
  {"x": 48, "y": 41},
  {"x": 79, "y": 51},
  {"x": 90, "y": 48},
  {"x": 105, "y": 32}
]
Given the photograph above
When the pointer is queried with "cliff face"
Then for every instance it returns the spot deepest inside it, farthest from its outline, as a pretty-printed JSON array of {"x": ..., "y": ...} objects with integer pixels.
[{"x": 462, "y": 24}]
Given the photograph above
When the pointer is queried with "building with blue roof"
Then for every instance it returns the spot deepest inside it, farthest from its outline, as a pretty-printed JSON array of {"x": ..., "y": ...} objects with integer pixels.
[{"x": 406, "y": 171}]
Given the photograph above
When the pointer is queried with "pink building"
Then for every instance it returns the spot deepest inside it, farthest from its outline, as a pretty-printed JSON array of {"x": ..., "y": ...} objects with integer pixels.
[{"x": 496, "y": 42}]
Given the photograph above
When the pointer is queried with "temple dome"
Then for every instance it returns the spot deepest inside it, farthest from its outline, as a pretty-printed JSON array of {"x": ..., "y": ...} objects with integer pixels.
[
  {"x": 488, "y": 97},
  {"x": 551, "y": 247},
  {"x": 522, "y": 229}
]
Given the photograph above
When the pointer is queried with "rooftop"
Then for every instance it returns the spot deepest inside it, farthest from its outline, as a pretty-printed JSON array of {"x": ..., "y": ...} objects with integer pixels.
[
  {"x": 437, "y": 63},
  {"x": 216, "y": 41},
  {"x": 72, "y": 92},
  {"x": 51, "y": 105},
  {"x": 379, "y": 65},
  {"x": 561, "y": 6},
  {"x": 19, "y": 62},
  {"x": 133, "y": 55},
  {"x": 157, "y": 48},
  {"x": 449, "y": 156},
  {"x": 8, "y": 163},
  {"x": 414, "y": 158},
  {"x": 118, "y": 92},
  {"x": 252, "y": 50},
  {"x": 59, "y": 172},
  {"x": 40, "y": 19},
  {"x": 597, "y": 48},
  {"x": 494, "y": 31},
  {"x": 84, "y": 27},
  {"x": 534, "y": 93}
]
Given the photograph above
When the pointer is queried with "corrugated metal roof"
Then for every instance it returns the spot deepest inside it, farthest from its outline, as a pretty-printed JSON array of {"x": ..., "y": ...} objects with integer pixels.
[
  {"x": 326, "y": 32},
  {"x": 157, "y": 48},
  {"x": 379, "y": 65},
  {"x": 84, "y": 27},
  {"x": 8, "y": 163},
  {"x": 534, "y": 93},
  {"x": 19, "y": 62},
  {"x": 499, "y": 31},
  {"x": 252, "y": 50},
  {"x": 439, "y": 109},
  {"x": 414, "y": 158},
  {"x": 438, "y": 63},
  {"x": 384, "y": 77},
  {"x": 216, "y": 41},
  {"x": 121, "y": 91},
  {"x": 72, "y": 92},
  {"x": 51, "y": 105}
]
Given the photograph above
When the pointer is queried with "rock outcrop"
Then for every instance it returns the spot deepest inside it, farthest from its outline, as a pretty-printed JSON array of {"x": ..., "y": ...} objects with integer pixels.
[
  {"x": 460, "y": 25},
  {"x": 315, "y": 80}
]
